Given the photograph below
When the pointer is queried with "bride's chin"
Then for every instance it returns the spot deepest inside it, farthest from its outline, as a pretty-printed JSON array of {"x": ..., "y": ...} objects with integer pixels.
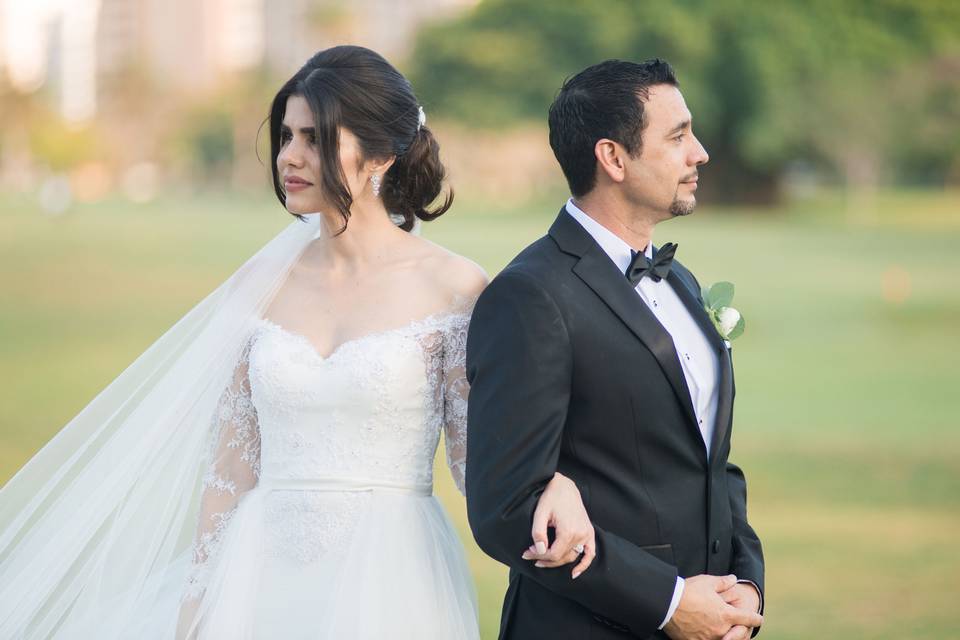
[{"x": 302, "y": 207}]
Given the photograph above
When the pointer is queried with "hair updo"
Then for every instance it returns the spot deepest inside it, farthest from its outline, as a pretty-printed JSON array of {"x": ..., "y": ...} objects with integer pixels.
[{"x": 356, "y": 88}]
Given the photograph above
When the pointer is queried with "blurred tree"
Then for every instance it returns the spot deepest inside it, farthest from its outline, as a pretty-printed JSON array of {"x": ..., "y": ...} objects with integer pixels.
[
  {"x": 207, "y": 141},
  {"x": 928, "y": 146},
  {"x": 61, "y": 146},
  {"x": 845, "y": 86},
  {"x": 838, "y": 84},
  {"x": 215, "y": 140}
]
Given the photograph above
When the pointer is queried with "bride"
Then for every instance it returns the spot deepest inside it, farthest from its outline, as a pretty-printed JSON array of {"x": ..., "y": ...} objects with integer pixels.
[{"x": 264, "y": 470}]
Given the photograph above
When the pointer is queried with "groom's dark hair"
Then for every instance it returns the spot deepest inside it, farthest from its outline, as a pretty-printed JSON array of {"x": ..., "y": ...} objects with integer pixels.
[{"x": 602, "y": 101}]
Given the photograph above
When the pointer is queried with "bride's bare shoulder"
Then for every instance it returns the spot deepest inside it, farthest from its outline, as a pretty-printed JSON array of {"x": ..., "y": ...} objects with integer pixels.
[{"x": 455, "y": 275}]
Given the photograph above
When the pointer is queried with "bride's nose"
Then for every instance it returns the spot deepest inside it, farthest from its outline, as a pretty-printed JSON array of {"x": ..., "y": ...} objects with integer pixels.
[{"x": 291, "y": 155}]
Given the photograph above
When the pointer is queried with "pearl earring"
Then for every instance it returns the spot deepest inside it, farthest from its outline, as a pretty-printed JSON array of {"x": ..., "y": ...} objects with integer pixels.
[{"x": 375, "y": 183}]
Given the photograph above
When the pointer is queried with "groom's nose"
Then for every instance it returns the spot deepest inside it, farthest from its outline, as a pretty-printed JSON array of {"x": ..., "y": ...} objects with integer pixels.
[{"x": 699, "y": 155}]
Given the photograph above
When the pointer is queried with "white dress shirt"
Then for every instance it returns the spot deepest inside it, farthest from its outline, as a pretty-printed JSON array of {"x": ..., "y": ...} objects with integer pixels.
[{"x": 697, "y": 359}]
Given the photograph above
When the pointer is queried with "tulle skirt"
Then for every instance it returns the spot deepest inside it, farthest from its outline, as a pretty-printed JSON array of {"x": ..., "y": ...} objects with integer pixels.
[{"x": 373, "y": 565}]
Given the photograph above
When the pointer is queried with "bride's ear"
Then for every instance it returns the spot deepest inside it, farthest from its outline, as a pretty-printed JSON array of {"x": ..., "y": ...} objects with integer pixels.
[{"x": 379, "y": 165}]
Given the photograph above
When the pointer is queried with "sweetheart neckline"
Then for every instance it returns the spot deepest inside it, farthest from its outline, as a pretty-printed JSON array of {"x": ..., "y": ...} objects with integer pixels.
[{"x": 416, "y": 325}]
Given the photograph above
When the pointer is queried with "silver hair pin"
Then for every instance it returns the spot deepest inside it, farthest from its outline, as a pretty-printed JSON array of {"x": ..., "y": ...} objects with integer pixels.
[{"x": 421, "y": 118}]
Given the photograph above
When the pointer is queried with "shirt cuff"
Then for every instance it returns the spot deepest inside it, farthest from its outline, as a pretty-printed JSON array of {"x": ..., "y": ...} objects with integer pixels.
[
  {"x": 759, "y": 593},
  {"x": 675, "y": 602}
]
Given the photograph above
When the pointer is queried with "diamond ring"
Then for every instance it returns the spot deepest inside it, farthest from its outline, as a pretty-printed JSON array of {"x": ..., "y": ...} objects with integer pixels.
[{"x": 578, "y": 548}]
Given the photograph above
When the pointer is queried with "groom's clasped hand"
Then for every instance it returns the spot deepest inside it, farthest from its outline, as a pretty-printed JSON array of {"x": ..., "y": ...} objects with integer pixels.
[
  {"x": 711, "y": 608},
  {"x": 715, "y": 607}
]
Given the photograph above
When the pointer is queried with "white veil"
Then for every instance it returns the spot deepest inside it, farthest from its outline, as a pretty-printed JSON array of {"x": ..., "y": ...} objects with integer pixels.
[{"x": 100, "y": 522}]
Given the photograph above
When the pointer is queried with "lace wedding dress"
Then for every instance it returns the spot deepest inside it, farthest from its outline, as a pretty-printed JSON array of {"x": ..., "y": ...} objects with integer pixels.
[
  {"x": 235, "y": 484},
  {"x": 317, "y": 518}
]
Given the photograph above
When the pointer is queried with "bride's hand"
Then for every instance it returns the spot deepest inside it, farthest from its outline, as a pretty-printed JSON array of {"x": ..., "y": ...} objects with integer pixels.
[{"x": 561, "y": 507}]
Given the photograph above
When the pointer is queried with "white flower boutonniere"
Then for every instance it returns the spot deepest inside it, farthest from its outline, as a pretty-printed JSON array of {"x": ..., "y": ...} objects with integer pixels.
[{"x": 717, "y": 299}]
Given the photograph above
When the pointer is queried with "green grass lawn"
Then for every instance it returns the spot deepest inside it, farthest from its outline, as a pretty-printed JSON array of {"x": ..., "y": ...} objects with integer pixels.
[{"x": 847, "y": 375}]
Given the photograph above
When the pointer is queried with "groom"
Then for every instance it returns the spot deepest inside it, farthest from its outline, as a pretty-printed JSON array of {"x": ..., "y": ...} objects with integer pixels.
[{"x": 591, "y": 355}]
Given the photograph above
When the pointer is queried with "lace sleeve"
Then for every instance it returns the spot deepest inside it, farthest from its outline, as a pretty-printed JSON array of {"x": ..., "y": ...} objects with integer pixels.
[
  {"x": 455, "y": 391},
  {"x": 233, "y": 469}
]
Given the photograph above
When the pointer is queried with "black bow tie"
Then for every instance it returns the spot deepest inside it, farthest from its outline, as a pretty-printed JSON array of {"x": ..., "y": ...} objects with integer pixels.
[{"x": 659, "y": 267}]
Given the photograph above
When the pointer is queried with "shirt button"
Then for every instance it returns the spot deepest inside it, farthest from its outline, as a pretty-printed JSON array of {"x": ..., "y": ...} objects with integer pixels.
[{"x": 655, "y": 303}]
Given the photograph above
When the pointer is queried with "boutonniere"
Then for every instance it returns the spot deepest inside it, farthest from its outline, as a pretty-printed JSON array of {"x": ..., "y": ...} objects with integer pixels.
[{"x": 717, "y": 299}]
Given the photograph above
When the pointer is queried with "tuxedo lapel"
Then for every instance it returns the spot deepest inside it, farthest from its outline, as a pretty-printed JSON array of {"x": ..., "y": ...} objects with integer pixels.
[
  {"x": 724, "y": 403},
  {"x": 686, "y": 293},
  {"x": 690, "y": 300},
  {"x": 600, "y": 274}
]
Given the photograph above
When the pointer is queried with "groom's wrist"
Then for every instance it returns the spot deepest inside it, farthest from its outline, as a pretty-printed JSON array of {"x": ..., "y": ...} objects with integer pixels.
[
  {"x": 674, "y": 602},
  {"x": 759, "y": 593}
]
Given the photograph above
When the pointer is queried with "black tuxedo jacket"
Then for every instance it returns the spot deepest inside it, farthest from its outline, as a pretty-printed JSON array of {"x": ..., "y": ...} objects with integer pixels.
[{"x": 570, "y": 371}]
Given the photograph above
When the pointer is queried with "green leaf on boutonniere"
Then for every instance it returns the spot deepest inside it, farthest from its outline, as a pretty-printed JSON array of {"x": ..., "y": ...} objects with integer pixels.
[
  {"x": 718, "y": 295},
  {"x": 717, "y": 300},
  {"x": 737, "y": 330}
]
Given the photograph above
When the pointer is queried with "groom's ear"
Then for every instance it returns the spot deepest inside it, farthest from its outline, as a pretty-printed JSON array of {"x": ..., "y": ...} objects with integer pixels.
[{"x": 609, "y": 155}]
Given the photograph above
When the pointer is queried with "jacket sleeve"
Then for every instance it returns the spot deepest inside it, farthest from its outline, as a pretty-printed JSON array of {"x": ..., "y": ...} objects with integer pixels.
[
  {"x": 747, "y": 560},
  {"x": 519, "y": 366}
]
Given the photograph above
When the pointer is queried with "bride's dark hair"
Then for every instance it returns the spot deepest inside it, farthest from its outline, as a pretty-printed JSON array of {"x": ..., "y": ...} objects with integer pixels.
[{"x": 356, "y": 88}]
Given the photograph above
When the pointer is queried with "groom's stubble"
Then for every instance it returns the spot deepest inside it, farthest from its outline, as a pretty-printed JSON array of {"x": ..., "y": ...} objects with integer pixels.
[{"x": 680, "y": 207}]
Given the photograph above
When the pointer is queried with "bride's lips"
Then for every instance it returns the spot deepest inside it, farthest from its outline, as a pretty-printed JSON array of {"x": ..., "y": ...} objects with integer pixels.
[{"x": 293, "y": 183}]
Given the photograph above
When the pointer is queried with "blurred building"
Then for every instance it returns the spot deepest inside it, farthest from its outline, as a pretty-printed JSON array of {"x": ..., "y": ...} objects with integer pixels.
[{"x": 79, "y": 49}]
